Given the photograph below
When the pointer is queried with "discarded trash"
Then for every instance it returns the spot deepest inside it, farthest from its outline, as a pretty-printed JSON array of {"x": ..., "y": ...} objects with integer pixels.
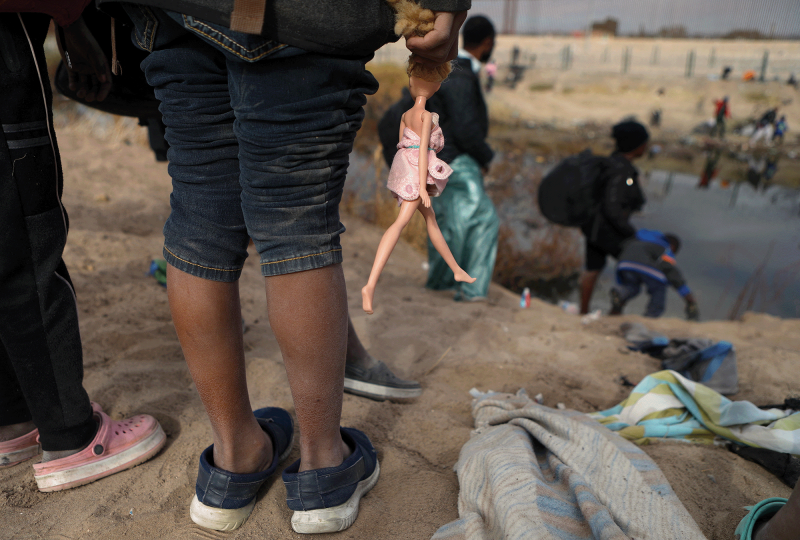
[
  {"x": 539, "y": 398},
  {"x": 525, "y": 299},
  {"x": 569, "y": 307},
  {"x": 593, "y": 316},
  {"x": 158, "y": 269},
  {"x": 560, "y": 406}
]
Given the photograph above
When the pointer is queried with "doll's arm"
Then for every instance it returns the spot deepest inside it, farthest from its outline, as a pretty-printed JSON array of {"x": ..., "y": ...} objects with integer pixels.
[{"x": 424, "y": 141}]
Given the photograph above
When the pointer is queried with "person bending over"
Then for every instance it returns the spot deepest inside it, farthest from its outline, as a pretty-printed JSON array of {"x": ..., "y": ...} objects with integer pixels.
[{"x": 648, "y": 260}]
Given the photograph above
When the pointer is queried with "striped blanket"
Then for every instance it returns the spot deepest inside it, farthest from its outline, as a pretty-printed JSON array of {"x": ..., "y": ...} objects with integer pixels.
[
  {"x": 538, "y": 473},
  {"x": 666, "y": 404}
]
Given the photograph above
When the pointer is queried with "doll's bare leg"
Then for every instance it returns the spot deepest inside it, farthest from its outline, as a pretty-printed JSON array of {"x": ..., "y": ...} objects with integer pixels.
[
  {"x": 438, "y": 241},
  {"x": 385, "y": 248}
]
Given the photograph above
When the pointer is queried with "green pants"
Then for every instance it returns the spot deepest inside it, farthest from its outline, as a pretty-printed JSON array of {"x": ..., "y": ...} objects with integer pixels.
[{"x": 469, "y": 224}]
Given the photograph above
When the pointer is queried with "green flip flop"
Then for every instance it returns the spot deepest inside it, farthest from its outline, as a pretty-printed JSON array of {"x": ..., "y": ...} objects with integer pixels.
[{"x": 763, "y": 510}]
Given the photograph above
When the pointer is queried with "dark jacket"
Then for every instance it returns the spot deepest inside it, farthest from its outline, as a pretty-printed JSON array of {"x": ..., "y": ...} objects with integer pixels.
[
  {"x": 338, "y": 27},
  {"x": 463, "y": 117},
  {"x": 649, "y": 253},
  {"x": 621, "y": 197},
  {"x": 768, "y": 118},
  {"x": 64, "y": 12}
]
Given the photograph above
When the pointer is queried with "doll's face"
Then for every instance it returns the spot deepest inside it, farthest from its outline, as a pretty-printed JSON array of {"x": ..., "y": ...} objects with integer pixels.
[{"x": 420, "y": 87}]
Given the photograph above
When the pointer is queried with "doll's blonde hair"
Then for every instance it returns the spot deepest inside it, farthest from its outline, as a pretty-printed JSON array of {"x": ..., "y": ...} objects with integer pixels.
[{"x": 411, "y": 19}]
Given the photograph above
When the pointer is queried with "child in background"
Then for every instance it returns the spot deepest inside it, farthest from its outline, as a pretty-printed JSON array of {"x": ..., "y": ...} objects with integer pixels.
[{"x": 649, "y": 259}]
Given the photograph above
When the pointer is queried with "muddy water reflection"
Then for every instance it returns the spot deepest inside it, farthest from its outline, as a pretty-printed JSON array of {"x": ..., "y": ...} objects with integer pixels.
[{"x": 745, "y": 256}]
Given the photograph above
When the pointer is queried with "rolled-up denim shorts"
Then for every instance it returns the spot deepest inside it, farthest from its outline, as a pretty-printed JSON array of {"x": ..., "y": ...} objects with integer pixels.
[{"x": 260, "y": 135}]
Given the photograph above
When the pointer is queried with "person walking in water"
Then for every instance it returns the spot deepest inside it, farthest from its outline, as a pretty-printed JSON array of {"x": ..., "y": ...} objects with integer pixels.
[{"x": 721, "y": 112}]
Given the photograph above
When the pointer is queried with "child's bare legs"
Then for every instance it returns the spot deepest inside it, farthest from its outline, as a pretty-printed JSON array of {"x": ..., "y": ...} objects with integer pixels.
[
  {"x": 438, "y": 241},
  {"x": 308, "y": 313},
  {"x": 385, "y": 248},
  {"x": 313, "y": 339},
  {"x": 208, "y": 321}
]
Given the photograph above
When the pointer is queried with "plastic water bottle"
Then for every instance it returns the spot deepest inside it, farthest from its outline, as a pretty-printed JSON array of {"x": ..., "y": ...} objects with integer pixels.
[{"x": 525, "y": 299}]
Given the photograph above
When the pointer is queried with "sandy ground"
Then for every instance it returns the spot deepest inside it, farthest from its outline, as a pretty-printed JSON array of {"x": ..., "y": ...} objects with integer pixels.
[{"x": 117, "y": 197}]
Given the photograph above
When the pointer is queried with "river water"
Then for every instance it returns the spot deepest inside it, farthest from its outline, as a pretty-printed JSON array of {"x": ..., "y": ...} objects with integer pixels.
[{"x": 741, "y": 248}]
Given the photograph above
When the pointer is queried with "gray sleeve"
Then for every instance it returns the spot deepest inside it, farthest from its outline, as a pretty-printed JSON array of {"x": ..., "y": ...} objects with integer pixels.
[
  {"x": 673, "y": 275},
  {"x": 446, "y": 5}
]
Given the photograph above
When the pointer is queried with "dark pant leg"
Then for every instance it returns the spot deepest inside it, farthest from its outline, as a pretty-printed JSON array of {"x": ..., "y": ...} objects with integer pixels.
[
  {"x": 13, "y": 409},
  {"x": 628, "y": 285},
  {"x": 38, "y": 314},
  {"x": 658, "y": 297}
]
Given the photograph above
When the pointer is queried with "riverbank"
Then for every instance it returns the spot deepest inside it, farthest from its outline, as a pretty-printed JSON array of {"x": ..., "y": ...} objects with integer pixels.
[{"x": 117, "y": 197}]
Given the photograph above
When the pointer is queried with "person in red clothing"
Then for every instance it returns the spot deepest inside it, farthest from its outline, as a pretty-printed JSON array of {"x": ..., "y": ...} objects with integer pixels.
[
  {"x": 721, "y": 112},
  {"x": 43, "y": 405}
]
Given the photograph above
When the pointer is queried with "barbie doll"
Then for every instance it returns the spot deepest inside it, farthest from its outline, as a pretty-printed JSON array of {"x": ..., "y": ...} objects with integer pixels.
[{"x": 416, "y": 176}]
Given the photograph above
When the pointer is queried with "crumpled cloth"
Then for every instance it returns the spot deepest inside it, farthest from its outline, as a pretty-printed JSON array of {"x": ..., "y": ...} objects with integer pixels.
[
  {"x": 533, "y": 472},
  {"x": 668, "y": 405}
]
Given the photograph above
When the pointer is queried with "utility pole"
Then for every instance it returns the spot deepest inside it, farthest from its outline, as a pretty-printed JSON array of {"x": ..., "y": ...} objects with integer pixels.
[{"x": 510, "y": 17}]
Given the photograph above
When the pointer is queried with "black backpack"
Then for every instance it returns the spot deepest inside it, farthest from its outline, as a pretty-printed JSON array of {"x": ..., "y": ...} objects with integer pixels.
[{"x": 571, "y": 193}]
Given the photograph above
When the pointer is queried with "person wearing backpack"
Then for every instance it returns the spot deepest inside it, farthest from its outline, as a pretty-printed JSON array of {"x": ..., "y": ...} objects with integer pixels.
[
  {"x": 649, "y": 259},
  {"x": 721, "y": 112},
  {"x": 618, "y": 196}
]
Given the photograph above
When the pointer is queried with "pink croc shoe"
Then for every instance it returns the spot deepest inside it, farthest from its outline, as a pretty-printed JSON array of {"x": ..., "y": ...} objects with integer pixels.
[
  {"x": 117, "y": 446},
  {"x": 19, "y": 449}
]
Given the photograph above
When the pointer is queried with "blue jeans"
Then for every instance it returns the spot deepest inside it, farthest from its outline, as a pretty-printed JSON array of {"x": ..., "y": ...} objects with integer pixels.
[
  {"x": 260, "y": 135},
  {"x": 629, "y": 283}
]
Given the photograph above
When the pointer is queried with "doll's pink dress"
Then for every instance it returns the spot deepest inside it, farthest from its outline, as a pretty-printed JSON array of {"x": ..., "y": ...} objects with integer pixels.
[{"x": 404, "y": 174}]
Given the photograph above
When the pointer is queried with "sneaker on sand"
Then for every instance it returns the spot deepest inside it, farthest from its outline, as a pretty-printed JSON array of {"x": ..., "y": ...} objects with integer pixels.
[
  {"x": 616, "y": 302},
  {"x": 327, "y": 500},
  {"x": 378, "y": 383},
  {"x": 116, "y": 446},
  {"x": 19, "y": 449},
  {"x": 224, "y": 500}
]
